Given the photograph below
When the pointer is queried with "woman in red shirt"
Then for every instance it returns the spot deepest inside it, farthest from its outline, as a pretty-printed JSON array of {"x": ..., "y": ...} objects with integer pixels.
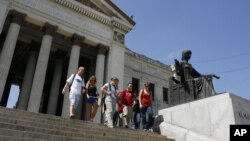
[{"x": 145, "y": 100}]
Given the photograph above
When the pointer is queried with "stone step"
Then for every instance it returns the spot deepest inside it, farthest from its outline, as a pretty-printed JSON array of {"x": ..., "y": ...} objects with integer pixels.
[
  {"x": 37, "y": 136},
  {"x": 49, "y": 119},
  {"x": 70, "y": 124},
  {"x": 101, "y": 135},
  {"x": 105, "y": 130},
  {"x": 59, "y": 131},
  {"x": 50, "y": 127},
  {"x": 47, "y": 134},
  {"x": 11, "y": 138}
]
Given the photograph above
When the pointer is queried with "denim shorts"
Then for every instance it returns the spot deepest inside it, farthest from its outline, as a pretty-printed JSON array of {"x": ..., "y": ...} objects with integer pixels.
[{"x": 92, "y": 100}]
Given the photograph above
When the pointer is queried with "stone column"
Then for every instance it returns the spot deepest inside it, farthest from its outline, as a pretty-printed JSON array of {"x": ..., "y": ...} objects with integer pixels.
[
  {"x": 80, "y": 109},
  {"x": 41, "y": 67},
  {"x": 55, "y": 88},
  {"x": 72, "y": 69},
  {"x": 9, "y": 47},
  {"x": 4, "y": 6},
  {"x": 116, "y": 62},
  {"x": 6, "y": 92},
  {"x": 27, "y": 81},
  {"x": 99, "y": 73}
]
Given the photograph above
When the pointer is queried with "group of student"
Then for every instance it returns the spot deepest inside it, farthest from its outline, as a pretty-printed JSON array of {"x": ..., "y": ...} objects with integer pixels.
[{"x": 124, "y": 105}]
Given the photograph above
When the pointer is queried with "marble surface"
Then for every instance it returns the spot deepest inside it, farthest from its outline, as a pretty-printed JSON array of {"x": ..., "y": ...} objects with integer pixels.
[{"x": 208, "y": 118}]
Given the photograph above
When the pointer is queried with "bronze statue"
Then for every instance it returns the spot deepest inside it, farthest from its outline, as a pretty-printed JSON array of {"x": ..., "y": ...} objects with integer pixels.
[
  {"x": 184, "y": 68},
  {"x": 187, "y": 84}
]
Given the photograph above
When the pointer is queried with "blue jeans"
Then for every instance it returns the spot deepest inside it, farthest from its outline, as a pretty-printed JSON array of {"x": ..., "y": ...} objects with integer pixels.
[
  {"x": 147, "y": 117},
  {"x": 136, "y": 119}
]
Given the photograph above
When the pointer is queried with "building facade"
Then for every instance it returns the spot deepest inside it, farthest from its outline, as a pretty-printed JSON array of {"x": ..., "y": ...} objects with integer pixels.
[
  {"x": 43, "y": 42},
  {"x": 140, "y": 69}
]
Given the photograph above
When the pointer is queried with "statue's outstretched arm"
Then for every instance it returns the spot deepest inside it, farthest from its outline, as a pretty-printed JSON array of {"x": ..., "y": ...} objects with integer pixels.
[{"x": 195, "y": 73}]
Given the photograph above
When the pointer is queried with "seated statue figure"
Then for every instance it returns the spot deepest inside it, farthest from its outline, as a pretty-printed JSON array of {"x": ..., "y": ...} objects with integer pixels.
[
  {"x": 184, "y": 69},
  {"x": 187, "y": 84}
]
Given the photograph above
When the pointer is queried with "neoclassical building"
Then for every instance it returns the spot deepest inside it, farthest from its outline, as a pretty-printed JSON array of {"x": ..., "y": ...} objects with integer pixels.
[{"x": 42, "y": 42}]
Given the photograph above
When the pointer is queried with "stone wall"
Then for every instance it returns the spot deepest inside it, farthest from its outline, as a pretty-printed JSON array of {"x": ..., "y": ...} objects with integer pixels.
[{"x": 147, "y": 70}]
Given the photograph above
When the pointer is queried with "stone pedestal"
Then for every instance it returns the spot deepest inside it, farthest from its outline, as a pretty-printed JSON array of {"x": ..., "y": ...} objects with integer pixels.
[{"x": 207, "y": 119}]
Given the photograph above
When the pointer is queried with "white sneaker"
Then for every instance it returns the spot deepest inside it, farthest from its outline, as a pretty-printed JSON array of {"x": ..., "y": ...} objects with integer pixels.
[
  {"x": 106, "y": 123},
  {"x": 110, "y": 126}
]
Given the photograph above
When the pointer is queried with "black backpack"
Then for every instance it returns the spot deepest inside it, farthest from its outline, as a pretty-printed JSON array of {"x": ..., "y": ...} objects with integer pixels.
[
  {"x": 103, "y": 98},
  {"x": 72, "y": 81}
]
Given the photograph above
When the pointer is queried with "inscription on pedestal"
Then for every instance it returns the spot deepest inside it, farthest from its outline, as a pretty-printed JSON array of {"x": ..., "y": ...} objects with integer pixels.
[{"x": 244, "y": 115}]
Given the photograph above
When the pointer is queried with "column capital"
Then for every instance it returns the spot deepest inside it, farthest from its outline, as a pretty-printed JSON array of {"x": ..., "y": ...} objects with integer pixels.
[
  {"x": 102, "y": 49},
  {"x": 49, "y": 29},
  {"x": 17, "y": 17},
  {"x": 77, "y": 39}
]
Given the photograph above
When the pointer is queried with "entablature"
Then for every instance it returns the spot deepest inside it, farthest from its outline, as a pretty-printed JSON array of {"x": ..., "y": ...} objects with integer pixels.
[{"x": 96, "y": 15}]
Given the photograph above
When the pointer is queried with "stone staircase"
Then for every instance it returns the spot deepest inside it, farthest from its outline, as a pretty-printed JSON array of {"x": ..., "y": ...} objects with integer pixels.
[{"x": 19, "y": 125}]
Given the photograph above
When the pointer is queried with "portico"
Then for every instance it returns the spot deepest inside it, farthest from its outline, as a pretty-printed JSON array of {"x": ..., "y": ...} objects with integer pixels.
[{"x": 43, "y": 42}]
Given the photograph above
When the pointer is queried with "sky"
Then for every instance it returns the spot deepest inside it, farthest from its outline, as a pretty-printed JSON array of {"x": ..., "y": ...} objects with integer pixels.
[{"x": 216, "y": 31}]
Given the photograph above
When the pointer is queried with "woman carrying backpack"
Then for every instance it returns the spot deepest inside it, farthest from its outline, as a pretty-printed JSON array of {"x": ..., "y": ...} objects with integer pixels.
[{"x": 110, "y": 91}]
